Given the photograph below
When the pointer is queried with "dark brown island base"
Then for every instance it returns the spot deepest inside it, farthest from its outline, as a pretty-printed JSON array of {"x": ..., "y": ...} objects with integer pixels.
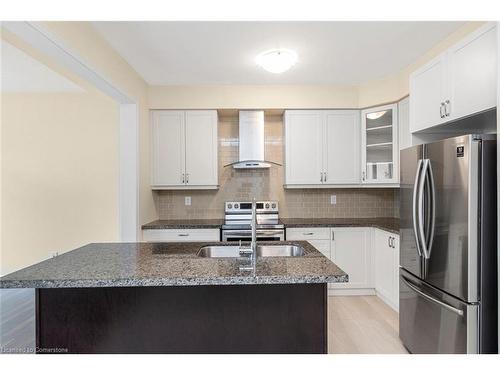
[{"x": 163, "y": 298}]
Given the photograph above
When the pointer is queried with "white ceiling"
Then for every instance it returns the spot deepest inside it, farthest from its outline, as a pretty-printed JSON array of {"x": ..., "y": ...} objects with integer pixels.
[
  {"x": 22, "y": 73},
  {"x": 342, "y": 53}
]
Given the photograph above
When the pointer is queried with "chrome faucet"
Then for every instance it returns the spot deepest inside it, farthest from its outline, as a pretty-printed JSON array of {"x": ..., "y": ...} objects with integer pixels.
[
  {"x": 253, "y": 245},
  {"x": 254, "y": 229}
]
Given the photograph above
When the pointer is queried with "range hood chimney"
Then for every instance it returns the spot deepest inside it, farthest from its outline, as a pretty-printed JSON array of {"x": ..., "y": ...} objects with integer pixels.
[{"x": 251, "y": 150}]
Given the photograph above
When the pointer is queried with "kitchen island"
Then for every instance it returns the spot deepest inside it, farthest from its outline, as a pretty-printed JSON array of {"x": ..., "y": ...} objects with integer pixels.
[{"x": 164, "y": 298}]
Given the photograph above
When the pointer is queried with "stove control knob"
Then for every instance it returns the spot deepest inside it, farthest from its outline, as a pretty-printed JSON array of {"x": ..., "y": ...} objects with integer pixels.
[
  {"x": 229, "y": 205},
  {"x": 267, "y": 205},
  {"x": 273, "y": 205},
  {"x": 236, "y": 205}
]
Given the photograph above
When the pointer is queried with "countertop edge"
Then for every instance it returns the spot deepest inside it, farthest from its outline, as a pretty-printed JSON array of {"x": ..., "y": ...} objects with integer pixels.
[{"x": 244, "y": 280}]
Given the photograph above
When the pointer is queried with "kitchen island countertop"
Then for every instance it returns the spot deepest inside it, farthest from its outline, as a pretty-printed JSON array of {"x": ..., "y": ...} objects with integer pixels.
[{"x": 169, "y": 264}]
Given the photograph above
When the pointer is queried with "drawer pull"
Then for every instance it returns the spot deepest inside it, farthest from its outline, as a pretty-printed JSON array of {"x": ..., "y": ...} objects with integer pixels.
[
  {"x": 308, "y": 234},
  {"x": 183, "y": 234}
]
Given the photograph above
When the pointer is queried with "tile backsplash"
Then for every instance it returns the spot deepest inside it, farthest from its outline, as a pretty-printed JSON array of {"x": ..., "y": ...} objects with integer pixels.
[{"x": 267, "y": 184}]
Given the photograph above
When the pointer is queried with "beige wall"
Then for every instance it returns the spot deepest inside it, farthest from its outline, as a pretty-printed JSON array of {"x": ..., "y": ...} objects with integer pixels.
[
  {"x": 83, "y": 39},
  {"x": 268, "y": 184},
  {"x": 59, "y": 174}
]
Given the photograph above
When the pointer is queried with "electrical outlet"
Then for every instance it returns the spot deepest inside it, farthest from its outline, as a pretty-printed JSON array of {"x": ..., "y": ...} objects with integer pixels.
[
  {"x": 333, "y": 199},
  {"x": 187, "y": 201}
]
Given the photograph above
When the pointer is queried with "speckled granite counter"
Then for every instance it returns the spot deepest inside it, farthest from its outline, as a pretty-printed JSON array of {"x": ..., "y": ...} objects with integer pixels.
[
  {"x": 389, "y": 224},
  {"x": 168, "y": 264},
  {"x": 184, "y": 224}
]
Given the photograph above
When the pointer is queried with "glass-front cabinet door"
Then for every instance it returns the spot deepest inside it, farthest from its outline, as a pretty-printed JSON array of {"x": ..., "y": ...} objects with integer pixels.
[{"x": 379, "y": 145}]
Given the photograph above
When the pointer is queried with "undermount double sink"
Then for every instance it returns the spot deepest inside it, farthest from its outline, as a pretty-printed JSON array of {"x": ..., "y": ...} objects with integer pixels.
[{"x": 262, "y": 251}]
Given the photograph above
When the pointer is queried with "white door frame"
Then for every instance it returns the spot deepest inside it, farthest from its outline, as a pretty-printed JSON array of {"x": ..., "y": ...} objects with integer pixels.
[{"x": 42, "y": 40}]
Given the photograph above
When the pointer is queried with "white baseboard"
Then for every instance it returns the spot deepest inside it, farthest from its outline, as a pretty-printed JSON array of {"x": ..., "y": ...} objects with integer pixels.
[
  {"x": 388, "y": 302},
  {"x": 351, "y": 292}
]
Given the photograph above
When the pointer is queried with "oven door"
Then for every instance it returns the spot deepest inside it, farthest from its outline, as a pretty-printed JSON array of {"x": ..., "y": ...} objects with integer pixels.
[{"x": 235, "y": 235}]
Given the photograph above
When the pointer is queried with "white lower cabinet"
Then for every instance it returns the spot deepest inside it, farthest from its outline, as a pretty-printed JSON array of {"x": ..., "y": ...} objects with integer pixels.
[
  {"x": 350, "y": 249},
  {"x": 386, "y": 266},
  {"x": 181, "y": 235},
  {"x": 369, "y": 256}
]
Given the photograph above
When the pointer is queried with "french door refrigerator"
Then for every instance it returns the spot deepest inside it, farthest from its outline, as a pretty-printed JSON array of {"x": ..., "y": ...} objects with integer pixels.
[{"x": 448, "y": 246}]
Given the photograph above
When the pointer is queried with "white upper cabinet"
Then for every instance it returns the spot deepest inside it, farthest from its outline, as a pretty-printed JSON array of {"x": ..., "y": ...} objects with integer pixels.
[
  {"x": 379, "y": 145},
  {"x": 184, "y": 149},
  {"x": 341, "y": 150},
  {"x": 472, "y": 66},
  {"x": 457, "y": 83},
  {"x": 427, "y": 93},
  {"x": 303, "y": 147},
  {"x": 201, "y": 148},
  {"x": 321, "y": 147},
  {"x": 168, "y": 148}
]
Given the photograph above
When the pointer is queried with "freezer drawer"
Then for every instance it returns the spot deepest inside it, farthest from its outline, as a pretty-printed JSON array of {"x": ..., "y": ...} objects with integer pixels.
[{"x": 431, "y": 321}]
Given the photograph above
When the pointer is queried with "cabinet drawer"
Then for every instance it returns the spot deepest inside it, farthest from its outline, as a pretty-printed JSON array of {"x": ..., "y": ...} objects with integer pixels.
[
  {"x": 300, "y": 234},
  {"x": 181, "y": 235}
]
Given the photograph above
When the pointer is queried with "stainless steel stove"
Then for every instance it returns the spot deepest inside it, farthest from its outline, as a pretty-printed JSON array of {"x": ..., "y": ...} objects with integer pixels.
[{"x": 238, "y": 217}]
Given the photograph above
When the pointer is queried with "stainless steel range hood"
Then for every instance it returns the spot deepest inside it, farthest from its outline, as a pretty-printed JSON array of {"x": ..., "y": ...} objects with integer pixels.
[{"x": 251, "y": 150}]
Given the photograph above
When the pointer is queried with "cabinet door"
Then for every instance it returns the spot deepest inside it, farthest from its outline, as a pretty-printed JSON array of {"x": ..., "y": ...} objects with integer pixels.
[
  {"x": 472, "y": 66},
  {"x": 201, "y": 148},
  {"x": 395, "y": 295},
  {"x": 350, "y": 251},
  {"x": 341, "y": 145},
  {"x": 168, "y": 141},
  {"x": 379, "y": 145},
  {"x": 427, "y": 92},
  {"x": 303, "y": 147},
  {"x": 384, "y": 266}
]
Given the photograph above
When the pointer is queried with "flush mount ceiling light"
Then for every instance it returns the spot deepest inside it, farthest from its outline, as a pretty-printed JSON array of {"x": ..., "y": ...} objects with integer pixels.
[
  {"x": 277, "y": 60},
  {"x": 375, "y": 115}
]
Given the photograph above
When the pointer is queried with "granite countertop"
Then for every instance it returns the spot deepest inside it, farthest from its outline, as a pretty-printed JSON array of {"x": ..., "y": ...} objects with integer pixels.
[
  {"x": 184, "y": 224},
  {"x": 169, "y": 264},
  {"x": 389, "y": 224}
]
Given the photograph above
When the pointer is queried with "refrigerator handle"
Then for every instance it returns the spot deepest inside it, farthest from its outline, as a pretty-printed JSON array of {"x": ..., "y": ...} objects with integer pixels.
[
  {"x": 420, "y": 208},
  {"x": 415, "y": 208},
  {"x": 432, "y": 223},
  {"x": 432, "y": 299}
]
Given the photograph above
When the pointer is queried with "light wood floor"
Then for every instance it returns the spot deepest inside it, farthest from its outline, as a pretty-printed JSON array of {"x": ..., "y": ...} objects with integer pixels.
[{"x": 362, "y": 325}]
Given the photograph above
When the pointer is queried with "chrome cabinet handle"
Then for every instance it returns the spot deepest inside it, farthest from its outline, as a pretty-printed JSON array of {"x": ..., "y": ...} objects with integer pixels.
[
  {"x": 183, "y": 178},
  {"x": 389, "y": 241},
  {"x": 187, "y": 178},
  {"x": 321, "y": 176},
  {"x": 363, "y": 176},
  {"x": 333, "y": 235},
  {"x": 324, "y": 177},
  {"x": 432, "y": 299},
  {"x": 308, "y": 234},
  {"x": 441, "y": 107},
  {"x": 447, "y": 108},
  {"x": 183, "y": 234}
]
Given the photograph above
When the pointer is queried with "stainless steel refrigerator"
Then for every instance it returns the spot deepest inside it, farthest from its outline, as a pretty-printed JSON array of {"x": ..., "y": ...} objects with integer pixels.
[{"x": 448, "y": 242}]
